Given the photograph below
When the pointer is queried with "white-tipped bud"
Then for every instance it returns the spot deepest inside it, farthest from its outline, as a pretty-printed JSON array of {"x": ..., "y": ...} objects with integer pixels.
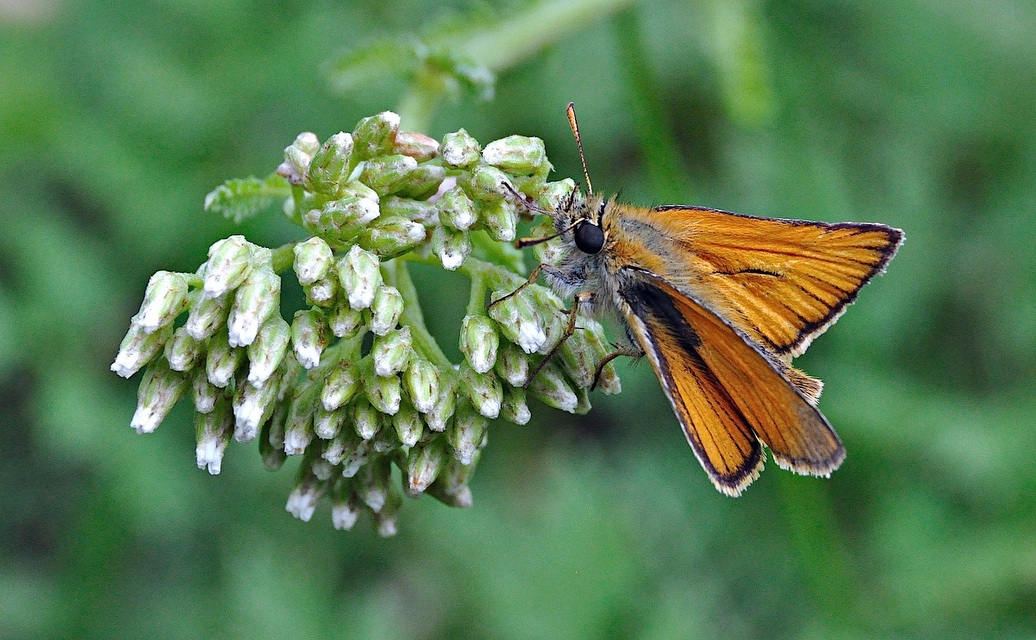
[
  {"x": 302, "y": 501},
  {"x": 212, "y": 431},
  {"x": 376, "y": 135},
  {"x": 313, "y": 260},
  {"x": 512, "y": 365},
  {"x": 356, "y": 458},
  {"x": 408, "y": 424},
  {"x": 384, "y": 393},
  {"x": 515, "y": 408},
  {"x": 138, "y": 348},
  {"x": 308, "y": 337},
  {"x": 359, "y": 273},
  {"x": 467, "y": 433},
  {"x": 182, "y": 351},
  {"x": 554, "y": 390},
  {"x": 328, "y": 166},
  {"x": 230, "y": 261},
  {"x": 421, "y": 381},
  {"x": 520, "y": 322},
  {"x": 298, "y": 428},
  {"x": 340, "y": 385},
  {"x": 256, "y": 299},
  {"x": 484, "y": 390},
  {"x": 385, "y": 174},
  {"x": 487, "y": 184},
  {"x": 456, "y": 209},
  {"x": 159, "y": 390},
  {"x": 253, "y": 405},
  {"x": 345, "y": 510},
  {"x": 207, "y": 315},
  {"x": 344, "y": 321},
  {"x": 439, "y": 415},
  {"x": 297, "y": 157},
  {"x": 391, "y": 353},
  {"x": 222, "y": 360},
  {"x": 459, "y": 150},
  {"x": 385, "y": 310},
  {"x": 423, "y": 465},
  {"x": 392, "y": 236},
  {"x": 268, "y": 349},
  {"x": 164, "y": 299},
  {"x": 500, "y": 220},
  {"x": 518, "y": 155},
  {"x": 452, "y": 247},
  {"x": 479, "y": 342},
  {"x": 366, "y": 419},
  {"x": 327, "y": 424},
  {"x": 373, "y": 482},
  {"x": 203, "y": 392}
]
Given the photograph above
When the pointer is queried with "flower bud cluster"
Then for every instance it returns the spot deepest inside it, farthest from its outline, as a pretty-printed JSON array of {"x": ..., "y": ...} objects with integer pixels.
[{"x": 352, "y": 384}]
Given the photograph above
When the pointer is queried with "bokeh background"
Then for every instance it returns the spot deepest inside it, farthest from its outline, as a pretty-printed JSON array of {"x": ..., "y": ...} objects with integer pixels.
[{"x": 117, "y": 117}]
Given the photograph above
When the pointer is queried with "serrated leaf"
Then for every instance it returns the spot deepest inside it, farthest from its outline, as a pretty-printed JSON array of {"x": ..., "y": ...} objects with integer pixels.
[{"x": 242, "y": 198}]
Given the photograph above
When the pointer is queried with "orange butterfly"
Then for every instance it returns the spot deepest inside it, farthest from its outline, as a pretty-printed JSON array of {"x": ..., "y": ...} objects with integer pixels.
[{"x": 720, "y": 303}]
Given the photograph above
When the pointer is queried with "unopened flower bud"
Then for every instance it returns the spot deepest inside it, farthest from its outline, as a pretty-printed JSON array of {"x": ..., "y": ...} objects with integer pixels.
[
  {"x": 298, "y": 156},
  {"x": 230, "y": 261},
  {"x": 313, "y": 260},
  {"x": 319, "y": 467},
  {"x": 500, "y": 220},
  {"x": 302, "y": 501},
  {"x": 459, "y": 150},
  {"x": 267, "y": 351},
  {"x": 222, "y": 360},
  {"x": 515, "y": 408},
  {"x": 383, "y": 392},
  {"x": 252, "y": 405},
  {"x": 373, "y": 482},
  {"x": 359, "y": 273},
  {"x": 466, "y": 434},
  {"x": 386, "y": 520},
  {"x": 344, "y": 321},
  {"x": 344, "y": 443},
  {"x": 451, "y": 487},
  {"x": 512, "y": 365},
  {"x": 308, "y": 337},
  {"x": 408, "y": 424},
  {"x": 182, "y": 350},
  {"x": 484, "y": 390},
  {"x": 445, "y": 405},
  {"x": 375, "y": 135},
  {"x": 203, "y": 392},
  {"x": 389, "y": 237},
  {"x": 578, "y": 358},
  {"x": 552, "y": 389},
  {"x": 345, "y": 509},
  {"x": 159, "y": 390},
  {"x": 452, "y": 247},
  {"x": 271, "y": 439},
  {"x": 487, "y": 183},
  {"x": 212, "y": 431},
  {"x": 456, "y": 209},
  {"x": 164, "y": 299},
  {"x": 517, "y": 155},
  {"x": 340, "y": 385},
  {"x": 386, "y": 439},
  {"x": 138, "y": 348},
  {"x": 420, "y": 211},
  {"x": 416, "y": 145},
  {"x": 520, "y": 322},
  {"x": 366, "y": 419},
  {"x": 341, "y": 220},
  {"x": 322, "y": 292},
  {"x": 298, "y": 428},
  {"x": 422, "y": 182},
  {"x": 329, "y": 164},
  {"x": 423, "y": 465},
  {"x": 391, "y": 352},
  {"x": 256, "y": 299},
  {"x": 479, "y": 342},
  {"x": 421, "y": 381},
  {"x": 554, "y": 194},
  {"x": 385, "y": 174},
  {"x": 327, "y": 424},
  {"x": 385, "y": 310},
  {"x": 356, "y": 458},
  {"x": 207, "y": 315}
]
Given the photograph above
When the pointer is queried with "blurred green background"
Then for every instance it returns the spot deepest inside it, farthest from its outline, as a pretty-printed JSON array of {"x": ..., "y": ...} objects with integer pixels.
[{"x": 117, "y": 117}]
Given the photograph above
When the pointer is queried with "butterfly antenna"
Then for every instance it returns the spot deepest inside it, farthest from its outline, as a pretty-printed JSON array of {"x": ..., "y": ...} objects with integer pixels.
[{"x": 571, "y": 111}]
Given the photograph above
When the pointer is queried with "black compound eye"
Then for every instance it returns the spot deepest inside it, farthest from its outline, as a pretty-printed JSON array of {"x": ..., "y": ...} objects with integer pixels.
[{"x": 589, "y": 237}]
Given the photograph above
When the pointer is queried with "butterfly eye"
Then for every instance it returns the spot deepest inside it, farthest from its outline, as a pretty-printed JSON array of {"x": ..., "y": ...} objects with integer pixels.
[{"x": 589, "y": 237}]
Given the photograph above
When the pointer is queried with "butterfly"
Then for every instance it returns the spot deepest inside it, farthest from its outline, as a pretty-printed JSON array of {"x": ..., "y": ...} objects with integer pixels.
[{"x": 719, "y": 303}]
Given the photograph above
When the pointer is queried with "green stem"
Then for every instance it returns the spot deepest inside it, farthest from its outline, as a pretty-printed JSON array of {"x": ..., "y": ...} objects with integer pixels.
[
  {"x": 397, "y": 275},
  {"x": 283, "y": 257}
]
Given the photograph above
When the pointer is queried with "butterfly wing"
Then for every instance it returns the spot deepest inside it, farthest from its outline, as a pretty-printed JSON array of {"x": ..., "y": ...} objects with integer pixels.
[
  {"x": 726, "y": 392},
  {"x": 782, "y": 282}
]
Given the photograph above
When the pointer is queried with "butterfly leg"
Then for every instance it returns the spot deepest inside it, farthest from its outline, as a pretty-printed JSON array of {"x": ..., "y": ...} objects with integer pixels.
[
  {"x": 632, "y": 352},
  {"x": 581, "y": 297}
]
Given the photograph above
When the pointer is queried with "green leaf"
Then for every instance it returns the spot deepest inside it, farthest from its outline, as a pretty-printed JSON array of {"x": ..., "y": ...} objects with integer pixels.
[{"x": 242, "y": 198}]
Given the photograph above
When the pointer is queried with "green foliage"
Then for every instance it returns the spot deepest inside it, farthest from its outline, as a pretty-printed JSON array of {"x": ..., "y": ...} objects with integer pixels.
[
  {"x": 117, "y": 119},
  {"x": 241, "y": 198}
]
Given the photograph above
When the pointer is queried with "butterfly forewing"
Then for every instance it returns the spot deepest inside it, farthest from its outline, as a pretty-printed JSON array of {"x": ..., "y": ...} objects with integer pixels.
[
  {"x": 782, "y": 282},
  {"x": 726, "y": 392}
]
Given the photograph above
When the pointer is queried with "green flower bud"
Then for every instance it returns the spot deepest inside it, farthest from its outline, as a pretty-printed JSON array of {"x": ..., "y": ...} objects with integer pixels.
[
  {"x": 500, "y": 220},
  {"x": 515, "y": 408},
  {"x": 222, "y": 360},
  {"x": 484, "y": 390},
  {"x": 322, "y": 293},
  {"x": 298, "y": 428},
  {"x": 308, "y": 337},
  {"x": 467, "y": 433},
  {"x": 385, "y": 310},
  {"x": 451, "y": 247},
  {"x": 359, "y": 273},
  {"x": 386, "y": 520},
  {"x": 386, "y": 174},
  {"x": 521, "y": 322},
  {"x": 386, "y": 440},
  {"x": 182, "y": 350},
  {"x": 518, "y": 155},
  {"x": 423, "y": 465},
  {"x": 366, "y": 419},
  {"x": 329, "y": 165},
  {"x": 487, "y": 184},
  {"x": 420, "y": 211},
  {"x": 267, "y": 351},
  {"x": 230, "y": 262},
  {"x": 512, "y": 365},
  {"x": 578, "y": 358},
  {"x": 138, "y": 348},
  {"x": 416, "y": 145},
  {"x": 271, "y": 439},
  {"x": 342, "y": 220},
  {"x": 408, "y": 424},
  {"x": 302, "y": 501},
  {"x": 422, "y": 182},
  {"x": 451, "y": 487},
  {"x": 345, "y": 508},
  {"x": 207, "y": 315},
  {"x": 253, "y": 405},
  {"x": 340, "y": 385},
  {"x": 459, "y": 150},
  {"x": 392, "y": 236},
  {"x": 204, "y": 393},
  {"x": 608, "y": 381},
  {"x": 298, "y": 156},
  {"x": 479, "y": 342},
  {"x": 421, "y": 381},
  {"x": 164, "y": 299},
  {"x": 441, "y": 412},
  {"x": 313, "y": 260},
  {"x": 456, "y": 209},
  {"x": 256, "y": 299},
  {"x": 375, "y": 135},
  {"x": 356, "y": 458},
  {"x": 319, "y": 467},
  {"x": 391, "y": 352},
  {"x": 159, "y": 390},
  {"x": 383, "y": 393},
  {"x": 554, "y": 390},
  {"x": 554, "y": 194},
  {"x": 545, "y": 310},
  {"x": 327, "y": 424},
  {"x": 551, "y": 251},
  {"x": 344, "y": 321},
  {"x": 212, "y": 431},
  {"x": 344, "y": 443},
  {"x": 373, "y": 482}
]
